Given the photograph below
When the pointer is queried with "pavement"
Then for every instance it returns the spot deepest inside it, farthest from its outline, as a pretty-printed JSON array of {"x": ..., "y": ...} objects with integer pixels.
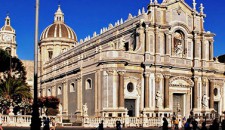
[{"x": 81, "y": 128}]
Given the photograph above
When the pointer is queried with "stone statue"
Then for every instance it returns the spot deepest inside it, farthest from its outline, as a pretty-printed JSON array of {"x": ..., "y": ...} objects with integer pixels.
[
  {"x": 205, "y": 101},
  {"x": 158, "y": 99},
  {"x": 178, "y": 46},
  {"x": 60, "y": 109},
  {"x": 85, "y": 110}
]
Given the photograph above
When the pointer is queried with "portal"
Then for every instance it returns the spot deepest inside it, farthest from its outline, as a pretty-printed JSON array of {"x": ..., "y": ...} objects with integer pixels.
[
  {"x": 178, "y": 104},
  {"x": 130, "y": 105}
]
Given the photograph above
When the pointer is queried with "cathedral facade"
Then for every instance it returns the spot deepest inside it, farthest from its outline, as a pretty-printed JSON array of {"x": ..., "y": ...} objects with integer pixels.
[{"x": 159, "y": 62}]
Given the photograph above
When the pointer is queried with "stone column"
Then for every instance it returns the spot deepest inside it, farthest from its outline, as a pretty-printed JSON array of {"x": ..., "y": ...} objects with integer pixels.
[
  {"x": 157, "y": 41},
  {"x": 121, "y": 89},
  {"x": 146, "y": 90},
  {"x": 211, "y": 94},
  {"x": 211, "y": 51},
  {"x": 65, "y": 96},
  {"x": 79, "y": 94},
  {"x": 195, "y": 93},
  {"x": 166, "y": 91},
  {"x": 147, "y": 41}
]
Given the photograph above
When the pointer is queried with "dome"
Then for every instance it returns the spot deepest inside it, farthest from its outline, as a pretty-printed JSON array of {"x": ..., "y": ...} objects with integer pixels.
[
  {"x": 7, "y": 27},
  {"x": 59, "y": 30}
]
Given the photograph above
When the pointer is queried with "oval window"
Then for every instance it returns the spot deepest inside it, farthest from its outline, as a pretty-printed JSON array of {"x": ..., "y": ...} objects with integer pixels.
[
  {"x": 130, "y": 87},
  {"x": 215, "y": 91}
]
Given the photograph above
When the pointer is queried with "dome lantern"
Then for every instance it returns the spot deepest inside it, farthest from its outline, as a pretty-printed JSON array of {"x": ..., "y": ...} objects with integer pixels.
[{"x": 59, "y": 15}]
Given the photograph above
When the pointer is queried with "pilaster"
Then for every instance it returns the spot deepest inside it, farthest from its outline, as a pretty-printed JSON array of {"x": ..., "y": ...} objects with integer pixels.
[
  {"x": 195, "y": 93},
  {"x": 79, "y": 95},
  {"x": 121, "y": 89},
  {"x": 146, "y": 90},
  {"x": 166, "y": 91},
  {"x": 211, "y": 94}
]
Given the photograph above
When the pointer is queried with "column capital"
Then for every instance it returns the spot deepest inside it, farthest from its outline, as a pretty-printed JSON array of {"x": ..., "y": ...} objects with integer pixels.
[
  {"x": 111, "y": 72},
  {"x": 167, "y": 76},
  {"x": 121, "y": 72},
  {"x": 78, "y": 77},
  {"x": 196, "y": 79},
  {"x": 146, "y": 74}
]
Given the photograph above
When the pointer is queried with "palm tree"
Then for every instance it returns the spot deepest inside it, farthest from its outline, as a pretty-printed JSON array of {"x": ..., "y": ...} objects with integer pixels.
[{"x": 11, "y": 87}]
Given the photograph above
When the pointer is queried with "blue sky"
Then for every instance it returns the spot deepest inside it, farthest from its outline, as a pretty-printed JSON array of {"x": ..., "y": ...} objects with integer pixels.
[{"x": 87, "y": 16}]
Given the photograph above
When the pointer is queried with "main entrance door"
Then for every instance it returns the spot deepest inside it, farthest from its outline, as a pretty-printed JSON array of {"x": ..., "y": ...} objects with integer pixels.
[
  {"x": 178, "y": 101},
  {"x": 130, "y": 105}
]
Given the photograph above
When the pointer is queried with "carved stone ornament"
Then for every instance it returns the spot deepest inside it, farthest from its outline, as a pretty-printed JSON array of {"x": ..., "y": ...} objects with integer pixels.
[{"x": 181, "y": 81}]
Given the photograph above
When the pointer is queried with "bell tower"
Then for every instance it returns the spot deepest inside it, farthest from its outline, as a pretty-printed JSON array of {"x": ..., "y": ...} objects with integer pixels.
[{"x": 8, "y": 38}]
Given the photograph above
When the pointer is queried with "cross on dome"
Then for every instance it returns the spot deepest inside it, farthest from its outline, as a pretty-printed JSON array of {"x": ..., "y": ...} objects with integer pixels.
[{"x": 59, "y": 15}]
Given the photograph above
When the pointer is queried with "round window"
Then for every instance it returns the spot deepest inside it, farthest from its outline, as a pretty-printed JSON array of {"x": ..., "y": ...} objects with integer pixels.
[
  {"x": 215, "y": 91},
  {"x": 130, "y": 87}
]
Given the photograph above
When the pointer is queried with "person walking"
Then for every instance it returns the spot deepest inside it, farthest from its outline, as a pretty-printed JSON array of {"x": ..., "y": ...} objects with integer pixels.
[
  {"x": 194, "y": 124},
  {"x": 100, "y": 127},
  {"x": 180, "y": 124},
  {"x": 118, "y": 125},
  {"x": 187, "y": 124},
  {"x": 176, "y": 122},
  {"x": 215, "y": 125},
  {"x": 204, "y": 126},
  {"x": 223, "y": 124},
  {"x": 46, "y": 124},
  {"x": 53, "y": 124},
  {"x": 165, "y": 124},
  {"x": 1, "y": 122}
]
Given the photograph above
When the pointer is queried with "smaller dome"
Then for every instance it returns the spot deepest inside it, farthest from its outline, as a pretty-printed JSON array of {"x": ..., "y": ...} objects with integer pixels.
[
  {"x": 58, "y": 30},
  {"x": 7, "y": 26}
]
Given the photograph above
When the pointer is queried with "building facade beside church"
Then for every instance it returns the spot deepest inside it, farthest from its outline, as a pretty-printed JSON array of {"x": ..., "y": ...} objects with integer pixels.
[{"x": 159, "y": 62}]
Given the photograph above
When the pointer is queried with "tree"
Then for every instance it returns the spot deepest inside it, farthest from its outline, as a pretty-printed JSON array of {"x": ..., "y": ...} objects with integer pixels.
[
  {"x": 15, "y": 92},
  {"x": 11, "y": 66},
  {"x": 51, "y": 104},
  {"x": 13, "y": 87}
]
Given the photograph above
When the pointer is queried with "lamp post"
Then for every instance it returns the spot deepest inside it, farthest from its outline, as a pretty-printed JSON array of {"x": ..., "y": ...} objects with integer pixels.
[{"x": 35, "y": 120}]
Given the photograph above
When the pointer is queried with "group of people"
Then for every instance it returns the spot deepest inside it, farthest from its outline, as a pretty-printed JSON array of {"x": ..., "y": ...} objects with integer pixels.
[
  {"x": 118, "y": 125},
  {"x": 191, "y": 123},
  {"x": 46, "y": 122}
]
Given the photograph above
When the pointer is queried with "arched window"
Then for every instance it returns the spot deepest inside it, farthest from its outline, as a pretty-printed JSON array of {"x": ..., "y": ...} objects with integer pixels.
[
  {"x": 50, "y": 54},
  {"x": 72, "y": 87},
  {"x": 8, "y": 50},
  {"x": 59, "y": 90},
  {"x": 49, "y": 92},
  {"x": 88, "y": 84}
]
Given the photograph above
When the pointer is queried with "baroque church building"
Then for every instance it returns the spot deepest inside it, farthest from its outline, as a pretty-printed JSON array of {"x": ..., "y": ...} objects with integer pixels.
[{"x": 159, "y": 62}]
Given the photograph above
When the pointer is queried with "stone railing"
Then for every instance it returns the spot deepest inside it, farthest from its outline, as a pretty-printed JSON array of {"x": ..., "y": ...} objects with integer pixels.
[
  {"x": 125, "y": 121},
  {"x": 23, "y": 120}
]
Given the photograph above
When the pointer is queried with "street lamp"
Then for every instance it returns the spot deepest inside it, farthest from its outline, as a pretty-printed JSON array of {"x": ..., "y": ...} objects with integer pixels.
[{"x": 35, "y": 120}]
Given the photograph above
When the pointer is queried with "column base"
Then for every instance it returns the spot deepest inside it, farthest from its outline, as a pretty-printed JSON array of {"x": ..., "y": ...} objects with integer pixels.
[{"x": 114, "y": 112}]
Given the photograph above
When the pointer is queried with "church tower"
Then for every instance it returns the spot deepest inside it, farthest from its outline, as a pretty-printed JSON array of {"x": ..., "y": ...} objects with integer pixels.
[{"x": 8, "y": 38}]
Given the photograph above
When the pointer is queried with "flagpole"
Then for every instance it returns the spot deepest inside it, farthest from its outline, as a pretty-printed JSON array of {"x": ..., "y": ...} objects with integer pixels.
[{"x": 35, "y": 120}]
